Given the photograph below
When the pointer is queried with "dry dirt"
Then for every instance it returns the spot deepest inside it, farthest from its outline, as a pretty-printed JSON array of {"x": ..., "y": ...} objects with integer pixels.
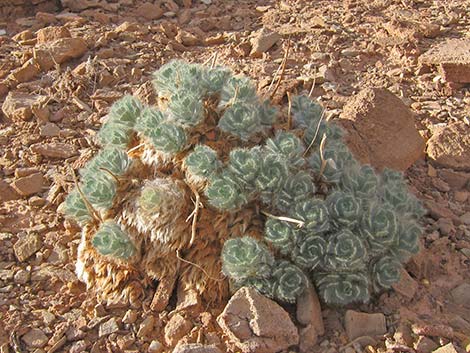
[{"x": 339, "y": 46}]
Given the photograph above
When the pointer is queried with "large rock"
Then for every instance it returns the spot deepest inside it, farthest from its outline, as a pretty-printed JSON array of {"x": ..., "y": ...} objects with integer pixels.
[
  {"x": 54, "y": 149},
  {"x": 359, "y": 324},
  {"x": 18, "y": 105},
  {"x": 60, "y": 51},
  {"x": 7, "y": 193},
  {"x": 381, "y": 131},
  {"x": 49, "y": 34},
  {"x": 26, "y": 246},
  {"x": 29, "y": 185},
  {"x": 176, "y": 329},
  {"x": 452, "y": 59},
  {"x": 256, "y": 324},
  {"x": 309, "y": 310},
  {"x": 450, "y": 146}
]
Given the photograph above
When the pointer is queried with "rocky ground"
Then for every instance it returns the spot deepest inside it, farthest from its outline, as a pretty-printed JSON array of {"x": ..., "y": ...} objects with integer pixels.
[{"x": 394, "y": 73}]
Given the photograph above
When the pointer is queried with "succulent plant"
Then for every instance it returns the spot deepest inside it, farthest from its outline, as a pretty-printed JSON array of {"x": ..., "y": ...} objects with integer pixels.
[{"x": 212, "y": 179}]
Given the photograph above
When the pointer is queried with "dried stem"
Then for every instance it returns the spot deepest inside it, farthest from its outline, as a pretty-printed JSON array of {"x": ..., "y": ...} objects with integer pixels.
[
  {"x": 316, "y": 133},
  {"x": 314, "y": 81},
  {"x": 299, "y": 223},
  {"x": 193, "y": 215},
  {"x": 88, "y": 205},
  {"x": 283, "y": 69},
  {"x": 289, "y": 111},
  {"x": 197, "y": 266},
  {"x": 323, "y": 160}
]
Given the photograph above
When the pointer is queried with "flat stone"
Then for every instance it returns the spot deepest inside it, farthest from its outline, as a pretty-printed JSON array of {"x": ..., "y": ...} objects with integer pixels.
[
  {"x": 60, "y": 51},
  {"x": 308, "y": 339},
  {"x": 381, "y": 130},
  {"x": 456, "y": 180},
  {"x": 176, "y": 329},
  {"x": 425, "y": 345},
  {"x": 52, "y": 33},
  {"x": 35, "y": 338},
  {"x": 256, "y": 324},
  {"x": 146, "y": 327},
  {"x": 407, "y": 286},
  {"x": 196, "y": 348},
  {"x": 29, "y": 185},
  {"x": 149, "y": 11},
  {"x": 452, "y": 59},
  {"x": 26, "y": 246},
  {"x": 26, "y": 72},
  {"x": 448, "y": 348},
  {"x": 54, "y": 149},
  {"x": 263, "y": 41},
  {"x": 461, "y": 295},
  {"x": 359, "y": 324},
  {"x": 108, "y": 327},
  {"x": 49, "y": 130},
  {"x": 309, "y": 310},
  {"x": 7, "y": 193},
  {"x": 18, "y": 105},
  {"x": 450, "y": 146}
]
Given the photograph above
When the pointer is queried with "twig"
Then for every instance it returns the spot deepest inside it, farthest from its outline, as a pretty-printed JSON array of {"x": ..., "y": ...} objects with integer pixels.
[
  {"x": 88, "y": 205},
  {"x": 214, "y": 60},
  {"x": 283, "y": 69},
  {"x": 197, "y": 266},
  {"x": 316, "y": 133},
  {"x": 135, "y": 148},
  {"x": 314, "y": 81},
  {"x": 193, "y": 215},
  {"x": 289, "y": 111},
  {"x": 111, "y": 173},
  {"x": 323, "y": 161},
  {"x": 299, "y": 223}
]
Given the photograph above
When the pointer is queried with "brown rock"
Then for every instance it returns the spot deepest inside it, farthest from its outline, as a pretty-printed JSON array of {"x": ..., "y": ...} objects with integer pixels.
[
  {"x": 60, "y": 51},
  {"x": 149, "y": 11},
  {"x": 452, "y": 58},
  {"x": 187, "y": 39},
  {"x": 381, "y": 130},
  {"x": 3, "y": 89},
  {"x": 176, "y": 329},
  {"x": 35, "y": 338},
  {"x": 440, "y": 210},
  {"x": 448, "y": 348},
  {"x": 49, "y": 130},
  {"x": 29, "y": 185},
  {"x": 26, "y": 72},
  {"x": 18, "y": 105},
  {"x": 263, "y": 41},
  {"x": 461, "y": 295},
  {"x": 188, "y": 300},
  {"x": 196, "y": 348},
  {"x": 456, "y": 180},
  {"x": 108, "y": 327},
  {"x": 308, "y": 339},
  {"x": 450, "y": 146},
  {"x": 309, "y": 310},
  {"x": 79, "y": 5},
  {"x": 425, "y": 345},
  {"x": 24, "y": 35},
  {"x": 407, "y": 286},
  {"x": 52, "y": 33},
  {"x": 54, "y": 149},
  {"x": 359, "y": 324},
  {"x": 256, "y": 324},
  {"x": 26, "y": 246},
  {"x": 7, "y": 193},
  {"x": 146, "y": 327},
  {"x": 45, "y": 17}
]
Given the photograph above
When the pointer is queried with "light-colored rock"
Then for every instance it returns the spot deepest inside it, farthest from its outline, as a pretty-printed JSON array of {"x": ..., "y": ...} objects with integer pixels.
[
  {"x": 359, "y": 324},
  {"x": 196, "y": 348},
  {"x": 381, "y": 130},
  {"x": 188, "y": 300},
  {"x": 24, "y": 35},
  {"x": 49, "y": 130},
  {"x": 26, "y": 72},
  {"x": 149, "y": 11},
  {"x": 18, "y": 105},
  {"x": 452, "y": 59},
  {"x": 129, "y": 317},
  {"x": 187, "y": 38},
  {"x": 448, "y": 348},
  {"x": 256, "y": 324},
  {"x": 22, "y": 277},
  {"x": 424, "y": 345},
  {"x": 35, "y": 338},
  {"x": 465, "y": 218},
  {"x": 52, "y": 33},
  {"x": 155, "y": 347},
  {"x": 176, "y": 329},
  {"x": 29, "y": 185},
  {"x": 263, "y": 41},
  {"x": 146, "y": 327},
  {"x": 60, "y": 51},
  {"x": 7, "y": 193},
  {"x": 461, "y": 295},
  {"x": 407, "y": 286},
  {"x": 450, "y": 146},
  {"x": 309, "y": 310},
  {"x": 108, "y": 327},
  {"x": 26, "y": 246},
  {"x": 54, "y": 149}
]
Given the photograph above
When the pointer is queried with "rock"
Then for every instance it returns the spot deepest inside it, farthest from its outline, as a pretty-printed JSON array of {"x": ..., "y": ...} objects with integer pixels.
[
  {"x": 26, "y": 72},
  {"x": 163, "y": 293},
  {"x": 432, "y": 330},
  {"x": 381, "y": 130},
  {"x": 7, "y": 193},
  {"x": 407, "y": 286},
  {"x": 359, "y": 324},
  {"x": 146, "y": 327},
  {"x": 22, "y": 36},
  {"x": 108, "y": 327},
  {"x": 22, "y": 277},
  {"x": 176, "y": 329},
  {"x": 188, "y": 300},
  {"x": 149, "y": 11},
  {"x": 446, "y": 226},
  {"x": 187, "y": 39},
  {"x": 35, "y": 338},
  {"x": 129, "y": 317},
  {"x": 456, "y": 180},
  {"x": 309, "y": 310},
  {"x": 461, "y": 295},
  {"x": 256, "y": 324},
  {"x": 54, "y": 149},
  {"x": 439, "y": 210},
  {"x": 196, "y": 348},
  {"x": 155, "y": 347},
  {"x": 49, "y": 130},
  {"x": 461, "y": 196},
  {"x": 60, "y": 51},
  {"x": 29, "y": 185},
  {"x": 450, "y": 146},
  {"x": 263, "y": 41},
  {"x": 448, "y": 348},
  {"x": 452, "y": 59},
  {"x": 17, "y": 105},
  {"x": 465, "y": 218},
  {"x": 308, "y": 338},
  {"x": 52, "y": 33},
  {"x": 26, "y": 246},
  {"x": 424, "y": 345},
  {"x": 78, "y": 347}
]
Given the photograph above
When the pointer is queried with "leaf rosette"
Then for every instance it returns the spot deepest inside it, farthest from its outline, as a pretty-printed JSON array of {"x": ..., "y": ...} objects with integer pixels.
[
  {"x": 168, "y": 137},
  {"x": 345, "y": 251},
  {"x": 148, "y": 120},
  {"x": 112, "y": 159},
  {"x": 289, "y": 281},
  {"x": 360, "y": 181},
  {"x": 272, "y": 173},
  {"x": 76, "y": 208},
  {"x": 202, "y": 161},
  {"x": 296, "y": 188},
  {"x": 408, "y": 240},
  {"x": 385, "y": 272},
  {"x": 111, "y": 240},
  {"x": 224, "y": 193},
  {"x": 99, "y": 189},
  {"x": 186, "y": 108},
  {"x": 379, "y": 225},
  {"x": 344, "y": 209},
  {"x": 241, "y": 119},
  {"x": 287, "y": 145},
  {"x": 114, "y": 135},
  {"x": 280, "y": 234},
  {"x": 245, "y": 164},
  {"x": 314, "y": 214},
  {"x": 125, "y": 111},
  {"x": 343, "y": 288},
  {"x": 309, "y": 251}
]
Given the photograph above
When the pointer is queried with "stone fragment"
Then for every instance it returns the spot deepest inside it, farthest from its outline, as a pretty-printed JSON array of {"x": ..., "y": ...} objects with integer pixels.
[
  {"x": 24, "y": 35},
  {"x": 17, "y": 105},
  {"x": 309, "y": 310},
  {"x": 163, "y": 293},
  {"x": 176, "y": 329},
  {"x": 155, "y": 347},
  {"x": 452, "y": 59},
  {"x": 263, "y": 41},
  {"x": 149, "y": 11},
  {"x": 256, "y": 324},
  {"x": 108, "y": 327},
  {"x": 29, "y": 185},
  {"x": 26, "y": 72},
  {"x": 187, "y": 38},
  {"x": 308, "y": 339},
  {"x": 359, "y": 324},
  {"x": 80, "y": 5},
  {"x": 407, "y": 286},
  {"x": 54, "y": 149},
  {"x": 124, "y": 342},
  {"x": 425, "y": 345},
  {"x": 450, "y": 146},
  {"x": 461, "y": 295},
  {"x": 146, "y": 327},
  {"x": 465, "y": 218},
  {"x": 22, "y": 277},
  {"x": 129, "y": 317},
  {"x": 432, "y": 330},
  {"x": 52, "y": 33},
  {"x": 188, "y": 300},
  {"x": 461, "y": 196},
  {"x": 196, "y": 348},
  {"x": 60, "y": 51},
  {"x": 79, "y": 347},
  {"x": 381, "y": 130},
  {"x": 446, "y": 226},
  {"x": 49, "y": 130},
  {"x": 456, "y": 180},
  {"x": 26, "y": 246},
  {"x": 448, "y": 348},
  {"x": 35, "y": 338},
  {"x": 7, "y": 193}
]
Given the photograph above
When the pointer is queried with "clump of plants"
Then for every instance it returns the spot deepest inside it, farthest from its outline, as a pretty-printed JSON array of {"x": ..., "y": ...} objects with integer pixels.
[{"x": 214, "y": 179}]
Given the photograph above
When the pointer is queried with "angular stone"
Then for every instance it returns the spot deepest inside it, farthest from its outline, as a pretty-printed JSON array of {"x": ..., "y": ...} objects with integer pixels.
[
  {"x": 108, "y": 327},
  {"x": 18, "y": 105},
  {"x": 54, "y": 149},
  {"x": 49, "y": 130},
  {"x": 60, "y": 51},
  {"x": 35, "y": 338},
  {"x": 452, "y": 58},
  {"x": 461, "y": 295},
  {"x": 309, "y": 310},
  {"x": 7, "y": 193},
  {"x": 26, "y": 246},
  {"x": 381, "y": 130},
  {"x": 29, "y": 185},
  {"x": 456, "y": 180},
  {"x": 155, "y": 347},
  {"x": 407, "y": 286},
  {"x": 149, "y": 11},
  {"x": 359, "y": 324},
  {"x": 256, "y": 324},
  {"x": 49, "y": 34},
  {"x": 308, "y": 339},
  {"x": 450, "y": 146},
  {"x": 448, "y": 348},
  {"x": 263, "y": 41},
  {"x": 424, "y": 345},
  {"x": 196, "y": 348},
  {"x": 176, "y": 329},
  {"x": 146, "y": 327},
  {"x": 26, "y": 72}
]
